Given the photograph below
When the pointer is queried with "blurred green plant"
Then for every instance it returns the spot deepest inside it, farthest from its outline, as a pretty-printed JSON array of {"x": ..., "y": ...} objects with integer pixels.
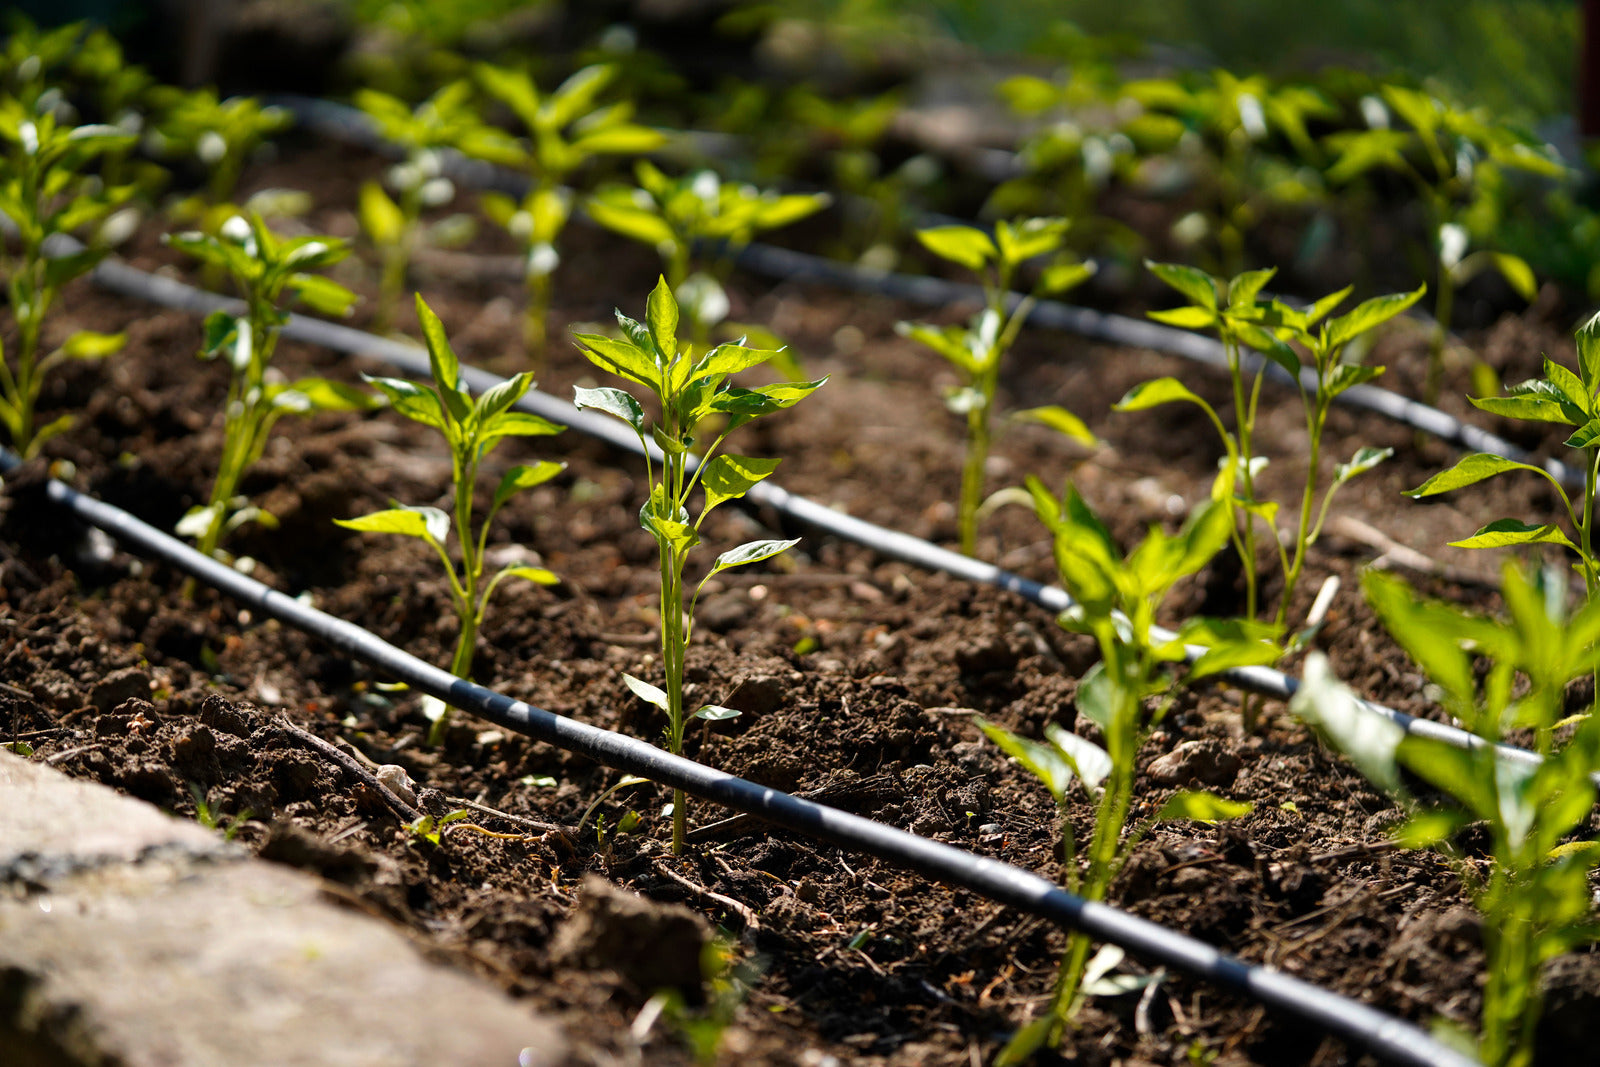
[
  {"x": 448, "y": 119},
  {"x": 697, "y": 214},
  {"x": 1529, "y": 883},
  {"x": 47, "y": 196},
  {"x": 271, "y": 273},
  {"x": 1457, "y": 161},
  {"x": 1126, "y": 695},
  {"x": 220, "y": 135},
  {"x": 565, "y": 130},
  {"x": 978, "y": 349}
]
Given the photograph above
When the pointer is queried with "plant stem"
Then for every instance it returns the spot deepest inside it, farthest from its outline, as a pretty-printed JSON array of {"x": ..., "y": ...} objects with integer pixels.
[
  {"x": 535, "y": 322},
  {"x": 1443, "y": 309},
  {"x": 974, "y": 469}
]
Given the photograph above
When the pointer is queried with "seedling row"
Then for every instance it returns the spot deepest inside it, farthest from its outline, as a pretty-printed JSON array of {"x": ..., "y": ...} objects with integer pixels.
[{"x": 1074, "y": 743}]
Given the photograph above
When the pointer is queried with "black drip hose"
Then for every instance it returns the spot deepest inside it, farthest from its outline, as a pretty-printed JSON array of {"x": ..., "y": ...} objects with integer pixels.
[
  {"x": 352, "y": 126},
  {"x": 121, "y": 278},
  {"x": 1384, "y": 1035}
]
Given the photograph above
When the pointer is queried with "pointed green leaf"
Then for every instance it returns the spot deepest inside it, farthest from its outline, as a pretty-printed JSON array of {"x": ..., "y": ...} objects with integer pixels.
[
  {"x": 962, "y": 245},
  {"x": 1585, "y": 435},
  {"x": 716, "y": 713},
  {"x": 612, "y": 402},
  {"x": 516, "y": 424},
  {"x": 1044, "y": 762},
  {"x": 661, "y": 313},
  {"x": 322, "y": 295},
  {"x": 441, "y": 357},
  {"x": 413, "y": 401},
  {"x": 1202, "y": 806},
  {"x": 524, "y": 476},
  {"x": 380, "y": 218},
  {"x": 1062, "y": 421},
  {"x": 1364, "y": 460},
  {"x": 1428, "y": 828},
  {"x": 1505, "y": 532},
  {"x": 1185, "y": 318},
  {"x": 751, "y": 552},
  {"x": 1197, "y": 285},
  {"x": 430, "y": 524},
  {"x": 1089, "y": 761},
  {"x": 1589, "y": 353},
  {"x": 1517, "y": 273},
  {"x": 536, "y": 575},
  {"x": 1534, "y": 406},
  {"x": 728, "y": 477},
  {"x": 645, "y": 691},
  {"x": 1368, "y": 315},
  {"x": 1469, "y": 470},
  {"x": 88, "y": 345},
  {"x": 629, "y": 360},
  {"x": 1156, "y": 392},
  {"x": 1365, "y": 738}
]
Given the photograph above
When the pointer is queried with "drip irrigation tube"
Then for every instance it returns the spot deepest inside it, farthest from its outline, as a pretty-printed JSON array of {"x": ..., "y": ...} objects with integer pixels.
[
  {"x": 1388, "y": 1037},
  {"x": 341, "y": 122},
  {"x": 122, "y": 278}
]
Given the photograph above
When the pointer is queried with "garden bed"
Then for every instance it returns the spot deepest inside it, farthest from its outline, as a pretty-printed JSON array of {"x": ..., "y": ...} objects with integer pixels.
[{"x": 854, "y": 675}]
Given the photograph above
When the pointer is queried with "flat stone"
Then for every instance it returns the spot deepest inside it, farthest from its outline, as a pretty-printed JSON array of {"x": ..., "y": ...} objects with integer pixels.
[{"x": 138, "y": 939}]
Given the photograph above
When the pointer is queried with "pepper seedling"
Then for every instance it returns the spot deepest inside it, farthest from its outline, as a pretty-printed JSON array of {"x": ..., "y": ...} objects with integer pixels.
[
  {"x": 471, "y": 430},
  {"x": 47, "y": 198},
  {"x": 690, "y": 388},
  {"x": 696, "y": 213},
  {"x": 447, "y": 119},
  {"x": 1454, "y": 158},
  {"x": 221, "y": 136},
  {"x": 1529, "y": 883},
  {"x": 566, "y": 129},
  {"x": 976, "y": 350},
  {"x": 1245, "y": 322},
  {"x": 271, "y": 273},
  {"x": 1126, "y": 696}
]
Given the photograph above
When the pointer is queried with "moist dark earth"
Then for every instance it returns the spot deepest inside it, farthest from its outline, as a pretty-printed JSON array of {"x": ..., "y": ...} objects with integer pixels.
[{"x": 854, "y": 675}]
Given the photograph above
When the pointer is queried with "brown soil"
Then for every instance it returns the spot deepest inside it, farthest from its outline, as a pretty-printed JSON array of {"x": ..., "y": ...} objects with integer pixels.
[{"x": 846, "y": 667}]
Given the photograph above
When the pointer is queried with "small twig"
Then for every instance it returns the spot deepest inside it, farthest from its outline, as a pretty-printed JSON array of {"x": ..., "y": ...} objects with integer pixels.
[
  {"x": 406, "y": 812},
  {"x": 66, "y": 754},
  {"x": 20, "y": 694},
  {"x": 752, "y": 925},
  {"x": 515, "y": 820},
  {"x": 628, "y": 639},
  {"x": 1394, "y": 554}
]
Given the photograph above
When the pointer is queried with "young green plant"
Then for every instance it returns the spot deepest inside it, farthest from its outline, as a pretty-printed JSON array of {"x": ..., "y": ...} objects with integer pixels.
[
  {"x": 471, "y": 430},
  {"x": 566, "y": 129},
  {"x": 691, "y": 388},
  {"x": 271, "y": 273},
  {"x": 698, "y": 213},
  {"x": 1455, "y": 159},
  {"x": 220, "y": 135},
  {"x": 978, "y": 349},
  {"x": 1126, "y": 696},
  {"x": 1529, "y": 884},
  {"x": 1245, "y": 322},
  {"x": 447, "y": 119},
  {"x": 47, "y": 197}
]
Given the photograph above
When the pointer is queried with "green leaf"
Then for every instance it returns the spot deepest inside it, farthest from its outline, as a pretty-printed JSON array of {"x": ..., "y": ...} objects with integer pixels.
[
  {"x": 1094, "y": 696},
  {"x": 1589, "y": 353},
  {"x": 1243, "y": 289},
  {"x": 1366, "y": 738},
  {"x": 661, "y": 313},
  {"x": 380, "y": 217},
  {"x": 87, "y": 345},
  {"x": 1154, "y": 393},
  {"x": 516, "y": 424},
  {"x": 1367, "y": 315},
  {"x": 536, "y": 575},
  {"x": 728, "y": 477},
  {"x": 524, "y": 476},
  {"x": 1202, "y": 806},
  {"x": 751, "y": 552},
  {"x": 1533, "y": 406},
  {"x": 1364, "y": 460},
  {"x": 1505, "y": 532},
  {"x": 441, "y": 357},
  {"x": 1197, "y": 285},
  {"x": 612, "y": 402},
  {"x": 645, "y": 691},
  {"x": 1061, "y": 420},
  {"x": 1044, "y": 762},
  {"x": 962, "y": 245},
  {"x": 413, "y": 401},
  {"x": 631, "y": 221},
  {"x": 1090, "y": 762},
  {"x": 731, "y": 359},
  {"x": 1469, "y": 470},
  {"x": 1585, "y": 435},
  {"x": 631, "y": 361},
  {"x": 323, "y": 295},
  {"x": 1428, "y": 828},
  {"x": 500, "y": 396},
  {"x": 1349, "y": 375},
  {"x": 1059, "y": 277},
  {"x": 1459, "y": 773},
  {"x": 324, "y": 395},
  {"x": 1517, "y": 273},
  {"x": 430, "y": 524},
  {"x": 1186, "y": 318},
  {"x": 716, "y": 713}
]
